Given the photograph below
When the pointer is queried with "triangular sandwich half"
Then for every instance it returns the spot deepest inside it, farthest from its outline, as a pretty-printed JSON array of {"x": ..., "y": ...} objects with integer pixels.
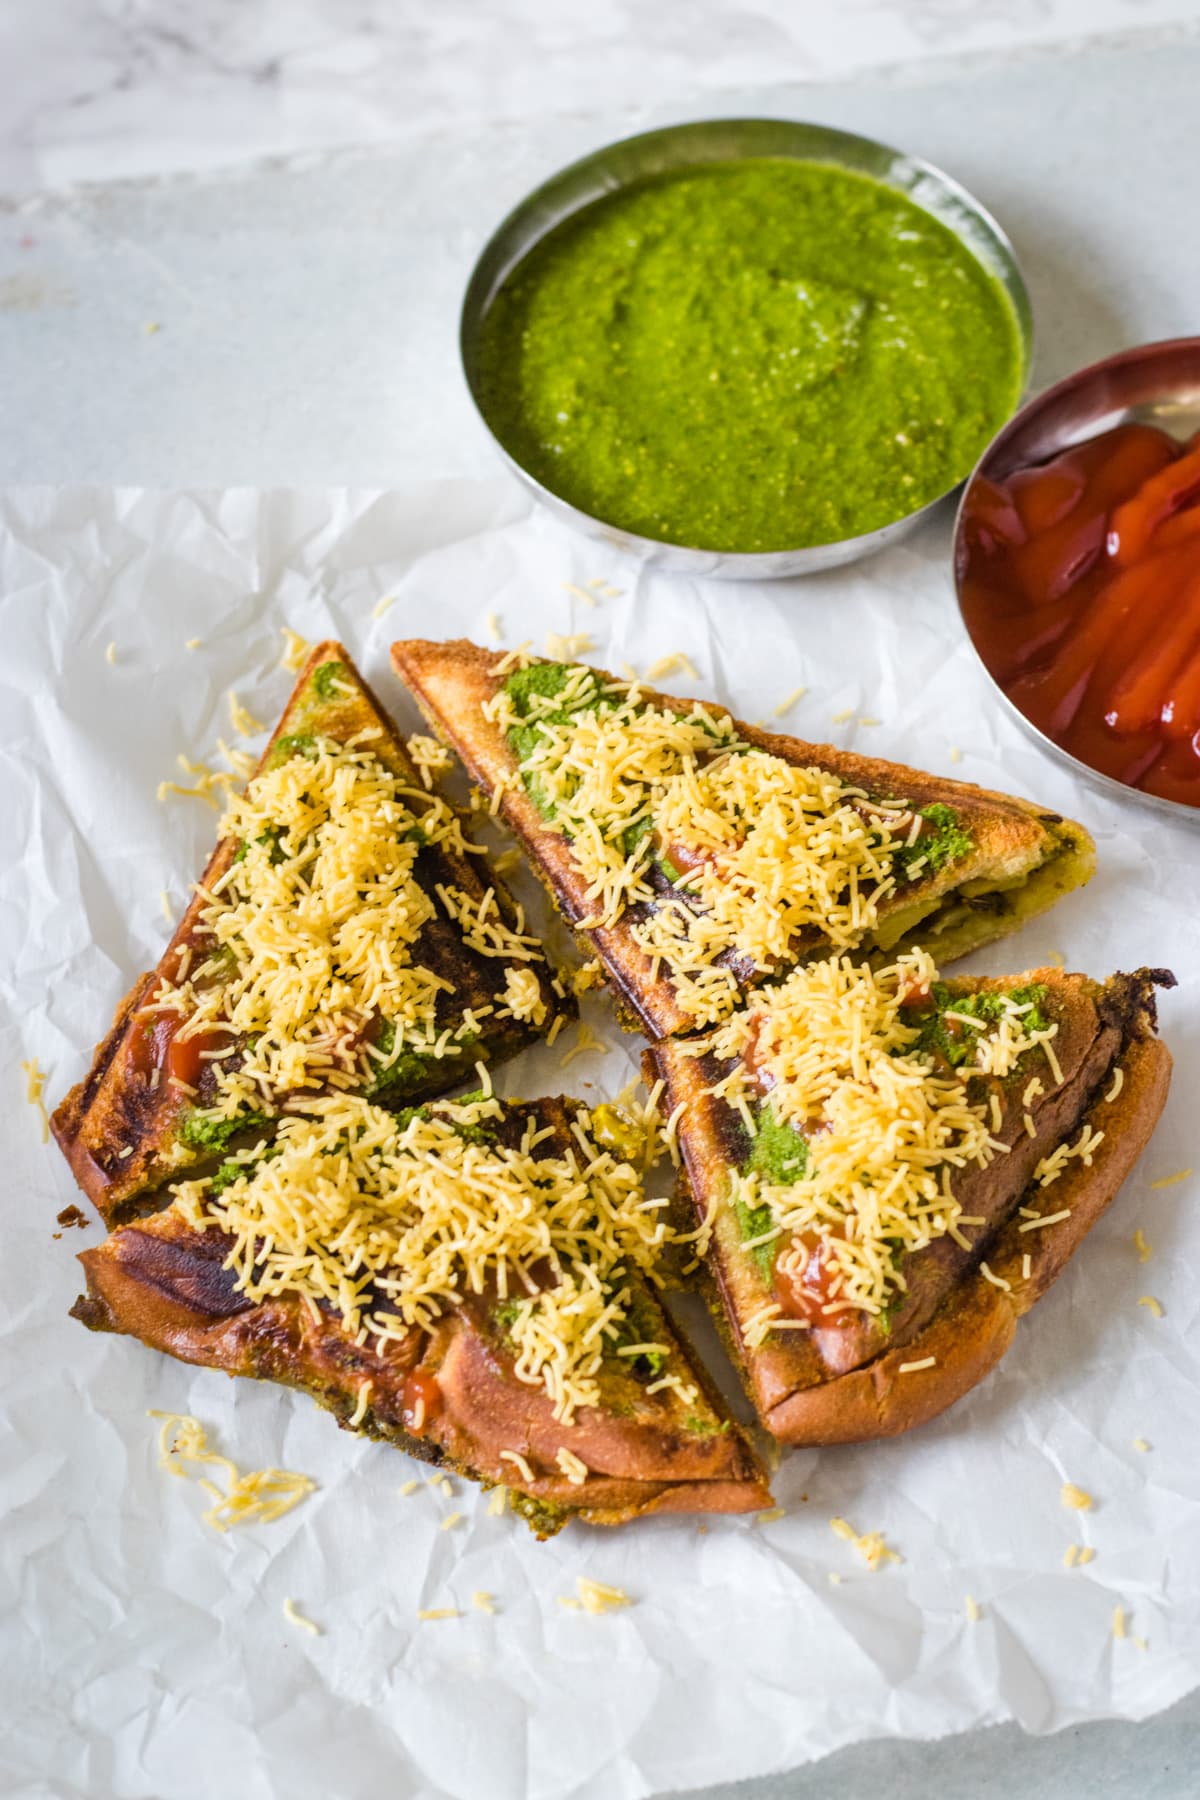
[
  {"x": 699, "y": 855},
  {"x": 473, "y": 1282},
  {"x": 895, "y": 1168},
  {"x": 344, "y": 937}
]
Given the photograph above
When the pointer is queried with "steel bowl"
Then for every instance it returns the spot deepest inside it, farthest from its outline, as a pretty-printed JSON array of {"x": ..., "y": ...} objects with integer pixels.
[
  {"x": 728, "y": 140},
  {"x": 1154, "y": 384}
]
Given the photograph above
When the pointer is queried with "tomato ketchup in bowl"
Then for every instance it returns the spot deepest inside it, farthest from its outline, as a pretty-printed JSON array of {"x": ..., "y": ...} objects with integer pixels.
[{"x": 1077, "y": 559}]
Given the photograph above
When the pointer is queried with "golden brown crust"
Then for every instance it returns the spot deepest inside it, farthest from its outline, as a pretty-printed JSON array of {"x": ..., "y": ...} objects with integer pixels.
[
  {"x": 116, "y": 1133},
  {"x": 167, "y": 1284},
  {"x": 1014, "y": 840},
  {"x": 797, "y": 1397}
]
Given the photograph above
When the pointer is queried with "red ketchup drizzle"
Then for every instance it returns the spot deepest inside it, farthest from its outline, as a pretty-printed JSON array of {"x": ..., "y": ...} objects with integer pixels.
[
  {"x": 421, "y": 1402},
  {"x": 805, "y": 1292},
  {"x": 1080, "y": 580}
]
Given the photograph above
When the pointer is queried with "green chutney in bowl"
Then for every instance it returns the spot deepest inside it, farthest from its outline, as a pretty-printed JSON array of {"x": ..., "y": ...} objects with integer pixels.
[{"x": 749, "y": 355}]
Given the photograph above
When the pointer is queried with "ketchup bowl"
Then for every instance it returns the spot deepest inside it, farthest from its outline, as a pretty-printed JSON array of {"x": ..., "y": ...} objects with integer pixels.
[{"x": 1077, "y": 569}]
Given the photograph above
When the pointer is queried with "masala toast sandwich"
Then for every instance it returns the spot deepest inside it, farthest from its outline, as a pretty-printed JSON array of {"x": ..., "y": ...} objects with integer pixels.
[
  {"x": 894, "y": 1168},
  {"x": 473, "y": 1281},
  {"x": 345, "y": 937},
  {"x": 698, "y": 856}
]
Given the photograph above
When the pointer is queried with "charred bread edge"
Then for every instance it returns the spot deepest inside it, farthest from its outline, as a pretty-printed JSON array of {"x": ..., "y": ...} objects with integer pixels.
[
  {"x": 975, "y": 1324},
  {"x": 67, "y": 1120},
  {"x": 545, "y": 1514},
  {"x": 651, "y": 1002}
]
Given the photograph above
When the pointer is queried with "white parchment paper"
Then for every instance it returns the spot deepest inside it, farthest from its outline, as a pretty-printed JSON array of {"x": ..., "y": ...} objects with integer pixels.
[{"x": 145, "y": 1655}]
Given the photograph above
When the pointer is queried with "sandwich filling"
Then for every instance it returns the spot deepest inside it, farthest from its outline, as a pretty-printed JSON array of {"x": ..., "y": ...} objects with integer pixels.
[
  {"x": 726, "y": 861},
  {"x": 305, "y": 974},
  {"x": 862, "y": 1093},
  {"x": 394, "y": 1221}
]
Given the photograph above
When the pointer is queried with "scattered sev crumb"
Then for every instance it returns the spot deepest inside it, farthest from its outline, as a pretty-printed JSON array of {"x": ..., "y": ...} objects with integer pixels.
[
  {"x": 360, "y": 1410},
  {"x": 785, "y": 706},
  {"x": 151, "y": 328},
  {"x": 587, "y": 1040},
  {"x": 1026, "y": 1266},
  {"x": 110, "y": 655},
  {"x": 260, "y": 1494},
  {"x": 482, "y": 1601},
  {"x": 441, "y": 1484},
  {"x": 1086, "y": 1555},
  {"x": 972, "y": 1609},
  {"x": 383, "y": 605},
  {"x": 835, "y": 1580},
  {"x": 955, "y": 754},
  {"x": 572, "y": 1466},
  {"x": 588, "y": 975},
  {"x": 1118, "y": 1082},
  {"x": 1166, "y": 1181},
  {"x": 193, "y": 643},
  {"x": 165, "y": 902},
  {"x": 1077, "y": 1498},
  {"x": 1139, "y": 1443},
  {"x": 410, "y": 1487},
  {"x": 1056, "y": 959},
  {"x": 839, "y": 718},
  {"x": 450, "y": 1521},
  {"x": 1070, "y": 1556},
  {"x": 440, "y": 1612},
  {"x": 519, "y": 1464},
  {"x": 35, "y": 1082},
  {"x": 579, "y": 593},
  {"x": 243, "y": 722},
  {"x": 628, "y": 671},
  {"x": 1118, "y": 1622},
  {"x": 498, "y": 1502},
  {"x": 770, "y": 1516},
  {"x": 295, "y": 650},
  {"x": 870, "y": 1545},
  {"x": 1143, "y": 1249},
  {"x": 996, "y": 1280},
  {"x": 595, "y": 1597},
  {"x": 428, "y": 757},
  {"x": 568, "y": 646},
  {"x": 295, "y": 1617},
  {"x": 491, "y": 624},
  {"x": 869, "y": 721},
  {"x": 676, "y": 662},
  {"x": 910, "y": 1368},
  {"x": 1153, "y": 1305}
]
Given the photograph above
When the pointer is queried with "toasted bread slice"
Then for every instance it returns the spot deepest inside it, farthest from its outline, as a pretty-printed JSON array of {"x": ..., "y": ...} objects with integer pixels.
[
  {"x": 446, "y": 1389},
  {"x": 851, "y": 1375},
  {"x": 982, "y": 863},
  {"x": 128, "y": 1127}
]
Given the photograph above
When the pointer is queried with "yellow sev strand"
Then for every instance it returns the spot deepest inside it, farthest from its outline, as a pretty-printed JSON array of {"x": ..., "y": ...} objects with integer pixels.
[
  {"x": 258, "y": 1495},
  {"x": 35, "y": 1082}
]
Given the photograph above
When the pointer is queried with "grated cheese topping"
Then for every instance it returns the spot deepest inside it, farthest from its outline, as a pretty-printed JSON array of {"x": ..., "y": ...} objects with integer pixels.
[
  {"x": 305, "y": 966},
  {"x": 872, "y": 1546},
  {"x": 259, "y": 1495},
  {"x": 777, "y": 857},
  {"x": 428, "y": 757},
  {"x": 392, "y": 1222},
  {"x": 35, "y": 1084},
  {"x": 883, "y": 1131},
  {"x": 1077, "y": 1498},
  {"x": 295, "y": 650},
  {"x": 295, "y": 1617}
]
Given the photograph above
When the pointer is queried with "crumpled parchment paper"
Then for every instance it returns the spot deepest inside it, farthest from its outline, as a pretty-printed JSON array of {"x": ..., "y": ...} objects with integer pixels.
[{"x": 146, "y": 1655}]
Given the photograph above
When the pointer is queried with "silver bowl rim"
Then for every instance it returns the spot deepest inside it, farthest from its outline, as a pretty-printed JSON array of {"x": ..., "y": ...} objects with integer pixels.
[
  {"x": 740, "y": 565},
  {"x": 1046, "y": 402}
]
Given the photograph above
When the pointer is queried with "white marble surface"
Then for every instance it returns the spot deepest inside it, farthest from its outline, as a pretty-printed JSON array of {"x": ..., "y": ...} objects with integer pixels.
[
  {"x": 95, "y": 89},
  {"x": 305, "y": 308}
]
